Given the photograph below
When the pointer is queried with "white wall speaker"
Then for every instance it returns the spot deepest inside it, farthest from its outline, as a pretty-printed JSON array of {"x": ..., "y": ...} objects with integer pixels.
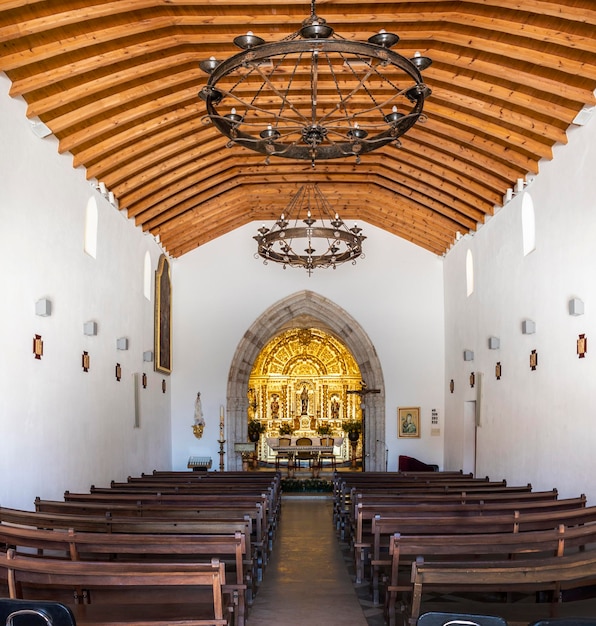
[
  {"x": 122, "y": 343},
  {"x": 148, "y": 356},
  {"x": 528, "y": 327},
  {"x": 90, "y": 328},
  {"x": 576, "y": 306},
  {"x": 494, "y": 343},
  {"x": 43, "y": 307},
  {"x": 468, "y": 355}
]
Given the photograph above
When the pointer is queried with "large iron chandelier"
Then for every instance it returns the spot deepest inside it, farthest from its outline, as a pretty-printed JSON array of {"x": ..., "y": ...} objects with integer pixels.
[
  {"x": 309, "y": 235},
  {"x": 315, "y": 95}
]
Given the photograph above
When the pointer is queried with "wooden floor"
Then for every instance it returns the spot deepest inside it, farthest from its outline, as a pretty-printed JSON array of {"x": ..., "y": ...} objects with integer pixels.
[{"x": 306, "y": 582}]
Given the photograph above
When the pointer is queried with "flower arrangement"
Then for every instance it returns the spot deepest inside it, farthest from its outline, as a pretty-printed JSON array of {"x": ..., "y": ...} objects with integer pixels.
[
  {"x": 324, "y": 430},
  {"x": 286, "y": 429},
  {"x": 352, "y": 426},
  {"x": 255, "y": 429}
]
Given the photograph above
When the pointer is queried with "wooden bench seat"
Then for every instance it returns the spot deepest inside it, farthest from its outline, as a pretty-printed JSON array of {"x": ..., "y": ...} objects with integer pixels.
[
  {"x": 229, "y": 549},
  {"x": 544, "y": 574},
  {"x": 375, "y": 523},
  {"x": 135, "y": 594}
]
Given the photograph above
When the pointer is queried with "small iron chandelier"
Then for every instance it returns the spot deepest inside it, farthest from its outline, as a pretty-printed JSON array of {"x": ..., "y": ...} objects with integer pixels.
[
  {"x": 315, "y": 95},
  {"x": 315, "y": 244}
]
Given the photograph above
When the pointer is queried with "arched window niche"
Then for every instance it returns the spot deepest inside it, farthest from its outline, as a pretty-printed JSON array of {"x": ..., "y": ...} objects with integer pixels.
[
  {"x": 90, "y": 241},
  {"x": 469, "y": 273},
  {"x": 528, "y": 224}
]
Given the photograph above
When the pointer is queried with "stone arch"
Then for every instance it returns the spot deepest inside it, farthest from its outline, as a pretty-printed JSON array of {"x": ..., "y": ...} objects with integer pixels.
[{"x": 301, "y": 310}]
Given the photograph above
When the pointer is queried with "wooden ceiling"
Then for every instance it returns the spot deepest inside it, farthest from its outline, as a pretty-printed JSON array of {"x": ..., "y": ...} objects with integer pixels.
[{"x": 117, "y": 81}]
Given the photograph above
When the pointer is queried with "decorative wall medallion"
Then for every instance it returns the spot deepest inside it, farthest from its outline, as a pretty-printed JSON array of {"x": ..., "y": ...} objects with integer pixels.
[
  {"x": 163, "y": 385},
  {"x": 451, "y": 386},
  {"x": 472, "y": 379},
  {"x": 144, "y": 380},
  {"x": 118, "y": 372},
  {"x": 85, "y": 361},
  {"x": 498, "y": 370},
  {"x": 533, "y": 360},
  {"x": 582, "y": 346},
  {"x": 38, "y": 346}
]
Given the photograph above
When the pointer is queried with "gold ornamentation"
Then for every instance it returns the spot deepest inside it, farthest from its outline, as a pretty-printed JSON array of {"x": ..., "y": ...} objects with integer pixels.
[{"x": 197, "y": 430}]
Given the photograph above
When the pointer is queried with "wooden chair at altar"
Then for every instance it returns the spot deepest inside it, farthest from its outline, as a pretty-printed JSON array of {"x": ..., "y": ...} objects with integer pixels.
[
  {"x": 302, "y": 453},
  {"x": 330, "y": 456},
  {"x": 283, "y": 441}
]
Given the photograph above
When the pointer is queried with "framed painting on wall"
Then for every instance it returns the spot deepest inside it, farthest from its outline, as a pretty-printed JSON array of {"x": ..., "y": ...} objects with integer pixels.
[
  {"x": 408, "y": 421},
  {"x": 163, "y": 326}
]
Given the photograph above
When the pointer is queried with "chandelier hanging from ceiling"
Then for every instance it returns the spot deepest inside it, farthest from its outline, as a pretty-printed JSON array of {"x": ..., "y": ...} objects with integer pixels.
[
  {"x": 315, "y": 95},
  {"x": 309, "y": 234}
]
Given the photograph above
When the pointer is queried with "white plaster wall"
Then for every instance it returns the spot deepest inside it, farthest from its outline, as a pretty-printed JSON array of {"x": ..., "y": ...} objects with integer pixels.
[
  {"x": 62, "y": 428},
  {"x": 540, "y": 422},
  {"x": 395, "y": 294}
]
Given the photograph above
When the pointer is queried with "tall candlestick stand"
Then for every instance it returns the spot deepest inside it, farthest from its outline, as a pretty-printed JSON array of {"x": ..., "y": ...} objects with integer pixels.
[{"x": 221, "y": 441}]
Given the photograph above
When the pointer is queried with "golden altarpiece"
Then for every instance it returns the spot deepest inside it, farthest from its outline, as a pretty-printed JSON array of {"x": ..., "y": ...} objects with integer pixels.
[{"x": 302, "y": 378}]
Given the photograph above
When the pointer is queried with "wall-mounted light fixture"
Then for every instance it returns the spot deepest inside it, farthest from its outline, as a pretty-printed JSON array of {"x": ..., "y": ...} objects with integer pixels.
[
  {"x": 494, "y": 343},
  {"x": 528, "y": 327},
  {"x": 148, "y": 356},
  {"x": 43, "y": 307},
  {"x": 576, "y": 306},
  {"x": 122, "y": 343},
  {"x": 468, "y": 355},
  {"x": 90, "y": 328}
]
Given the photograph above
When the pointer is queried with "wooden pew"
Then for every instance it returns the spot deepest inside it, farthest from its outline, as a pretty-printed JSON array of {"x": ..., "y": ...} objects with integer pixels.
[
  {"x": 76, "y": 546},
  {"x": 377, "y": 521},
  {"x": 165, "y": 594},
  {"x": 404, "y": 549},
  {"x": 145, "y": 525},
  {"x": 544, "y": 574}
]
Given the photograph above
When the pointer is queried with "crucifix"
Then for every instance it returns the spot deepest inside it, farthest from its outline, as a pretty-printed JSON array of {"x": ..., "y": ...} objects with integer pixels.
[{"x": 363, "y": 392}]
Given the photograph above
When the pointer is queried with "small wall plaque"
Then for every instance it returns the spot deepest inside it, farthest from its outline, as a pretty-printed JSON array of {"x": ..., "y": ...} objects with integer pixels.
[
  {"x": 533, "y": 360},
  {"x": 451, "y": 385},
  {"x": 118, "y": 372},
  {"x": 472, "y": 379},
  {"x": 582, "y": 346},
  {"x": 498, "y": 370},
  {"x": 38, "y": 346},
  {"x": 85, "y": 361},
  {"x": 144, "y": 380}
]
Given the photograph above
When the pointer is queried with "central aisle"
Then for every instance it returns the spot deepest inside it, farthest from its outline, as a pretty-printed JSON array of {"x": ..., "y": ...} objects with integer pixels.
[{"x": 306, "y": 581}]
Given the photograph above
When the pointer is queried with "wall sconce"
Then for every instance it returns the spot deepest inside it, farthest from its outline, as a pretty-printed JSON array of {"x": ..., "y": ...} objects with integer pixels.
[
  {"x": 148, "y": 356},
  {"x": 494, "y": 343},
  {"x": 122, "y": 343},
  {"x": 468, "y": 355},
  {"x": 90, "y": 328},
  {"x": 576, "y": 306},
  {"x": 43, "y": 307},
  {"x": 528, "y": 327}
]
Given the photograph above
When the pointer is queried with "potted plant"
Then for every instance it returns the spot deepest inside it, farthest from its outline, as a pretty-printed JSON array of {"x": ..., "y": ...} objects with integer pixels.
[
  {"x": 255, "y": 428},
  {"x": 353, "y": 429},
  {"x": 286, "y": 430}
]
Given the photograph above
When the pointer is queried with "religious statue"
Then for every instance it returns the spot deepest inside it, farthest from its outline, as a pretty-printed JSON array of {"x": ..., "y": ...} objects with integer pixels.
[
  {"x": 304, "y": 401},
  {"x": 334, "y": 409},
  {"x": 274, "y": 408},
  {"x": 199, "y": 422}
]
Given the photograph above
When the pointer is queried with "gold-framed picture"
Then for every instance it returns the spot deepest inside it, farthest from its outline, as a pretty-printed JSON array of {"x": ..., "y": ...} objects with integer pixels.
[
  {"x": 408, "y": 421},
  {"x": 163, "y": 323}
]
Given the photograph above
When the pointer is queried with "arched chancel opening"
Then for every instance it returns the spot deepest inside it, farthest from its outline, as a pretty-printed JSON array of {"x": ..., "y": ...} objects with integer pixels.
[
  {"x": 305, "y": 380},
  {"x": 303, "y": 310}
]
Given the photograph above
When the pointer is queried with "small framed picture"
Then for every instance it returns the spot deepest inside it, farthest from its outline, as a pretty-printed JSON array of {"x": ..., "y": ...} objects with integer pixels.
[{"x": 408, "y": 421}]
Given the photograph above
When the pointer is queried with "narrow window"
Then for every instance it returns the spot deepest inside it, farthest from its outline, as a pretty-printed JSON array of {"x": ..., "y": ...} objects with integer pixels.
[
  {"x": 147, "y": 276},
  {"x": 469, "y": 273},
  {"x": 90, "y": 244},
  {"x": 528, "y": 224}
]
